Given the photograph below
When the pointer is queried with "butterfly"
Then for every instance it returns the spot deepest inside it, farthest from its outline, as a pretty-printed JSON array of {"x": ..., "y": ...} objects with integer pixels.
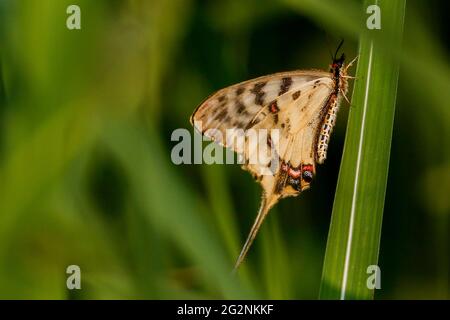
[{"x": 299, "y": 108}]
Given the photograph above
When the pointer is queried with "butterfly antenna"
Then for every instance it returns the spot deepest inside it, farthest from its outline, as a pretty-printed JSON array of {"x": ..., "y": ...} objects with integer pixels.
[
  {"x": 266, "y": 204},
  {"x": 338, "y": 48}
]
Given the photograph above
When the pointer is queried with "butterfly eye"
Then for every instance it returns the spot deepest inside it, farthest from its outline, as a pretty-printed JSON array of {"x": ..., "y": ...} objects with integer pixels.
[{"x": 307, "y": 176}]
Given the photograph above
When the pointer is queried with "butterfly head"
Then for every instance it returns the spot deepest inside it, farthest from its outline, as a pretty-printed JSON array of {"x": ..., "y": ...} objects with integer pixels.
[{"x": 337, "y": 64}]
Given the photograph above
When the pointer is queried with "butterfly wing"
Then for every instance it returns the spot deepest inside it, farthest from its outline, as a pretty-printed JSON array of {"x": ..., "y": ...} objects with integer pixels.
[
  {"x": 298, "y": 115},
  {"x": 236, "y": 106},
  {"x": 294, "y": 118},
  {"x": 291, "y": 102}
]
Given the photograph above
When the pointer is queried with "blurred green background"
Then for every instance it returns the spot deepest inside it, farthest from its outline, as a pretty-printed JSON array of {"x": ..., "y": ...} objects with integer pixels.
[{"x": 86, "y": 118}]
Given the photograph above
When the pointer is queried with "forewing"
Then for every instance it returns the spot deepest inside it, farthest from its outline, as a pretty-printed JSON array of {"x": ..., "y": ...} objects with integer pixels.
[{"x": 239, "y": 105}]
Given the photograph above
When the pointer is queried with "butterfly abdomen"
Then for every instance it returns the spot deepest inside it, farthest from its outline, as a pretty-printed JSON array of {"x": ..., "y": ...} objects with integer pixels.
[
  {"x": 329, "y": 120},
  {"x": 326, "y": 129}
]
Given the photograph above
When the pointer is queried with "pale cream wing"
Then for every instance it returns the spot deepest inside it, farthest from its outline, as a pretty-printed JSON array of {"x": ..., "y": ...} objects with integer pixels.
[
  {"x": 295, "y": 115},
  {"x": 239, "y": 106},
  {"x": 289, "y": 102}
]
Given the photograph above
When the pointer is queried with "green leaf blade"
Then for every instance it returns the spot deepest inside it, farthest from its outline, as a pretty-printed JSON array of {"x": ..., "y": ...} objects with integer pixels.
[{"x": 355, "y": 231}]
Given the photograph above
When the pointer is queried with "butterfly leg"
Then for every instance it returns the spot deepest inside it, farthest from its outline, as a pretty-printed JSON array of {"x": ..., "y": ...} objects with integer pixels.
[
  {"x": 345, "y": 97},
  {"x": 351, "y": 63}
]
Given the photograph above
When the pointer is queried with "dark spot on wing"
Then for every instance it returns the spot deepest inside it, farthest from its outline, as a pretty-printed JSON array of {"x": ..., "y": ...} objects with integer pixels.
[
  {"x": 316, "y": 83},
  {"x": 294, "y": 183},
  {"x": 258, "y": 118},
  {"x": 285, "y": 85},
  {"x": 213, "y": 112},
  {"x": 273, "y": 107},
  {"x": 238, "y": 124},
  {"x": 240, "y": 91},
  {"x": 220, "y": 116},
  {"x": 307, "y": 176},
  {"x": 288, "y": 124},
  {"x": 259, "y": 94},
  {"x": 240, "y": 107},
  {"x": 296, "y": 94}
]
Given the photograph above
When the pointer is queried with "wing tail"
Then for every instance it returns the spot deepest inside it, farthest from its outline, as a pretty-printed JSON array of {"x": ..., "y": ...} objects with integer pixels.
[{"x": 267, "y": 202}]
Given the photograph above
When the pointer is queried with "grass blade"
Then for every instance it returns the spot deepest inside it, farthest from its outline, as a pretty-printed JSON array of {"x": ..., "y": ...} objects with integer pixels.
[{"x": 355, "y": 231}]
